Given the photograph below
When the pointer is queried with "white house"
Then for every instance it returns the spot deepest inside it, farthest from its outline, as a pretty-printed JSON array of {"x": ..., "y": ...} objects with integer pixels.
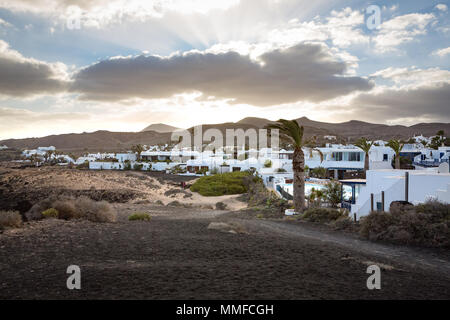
[{"x": 420, "y": 186}]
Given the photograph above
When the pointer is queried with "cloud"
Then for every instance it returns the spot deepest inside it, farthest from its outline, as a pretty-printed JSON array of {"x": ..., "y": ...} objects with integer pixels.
[
  {"x": 413, "y": 76},
  {"x": 302, "y": 72},
  {"x": 442, "y": 52},
  {"x": 429, "y": 102},
  {"x": 23, "y": 115},
  {"x": 21, "y": 123},
  {"x": 20, "y": 76},
  {"x": 441, "y": 7},
  {"x": 4, "y": 23},
  {"x": 98, "y": 13},
  {"x": 343, "y": 28},
  {"x": 416, "y": 93},
  {"x": 401, "y": 30}
]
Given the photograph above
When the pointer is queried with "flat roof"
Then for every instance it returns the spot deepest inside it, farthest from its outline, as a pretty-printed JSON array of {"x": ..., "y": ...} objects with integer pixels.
[{"x": 358, "y": 181}]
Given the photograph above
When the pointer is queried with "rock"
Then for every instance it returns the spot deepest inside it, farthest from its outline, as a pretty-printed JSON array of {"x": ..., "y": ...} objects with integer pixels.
[{"x": 221, "y": 206}]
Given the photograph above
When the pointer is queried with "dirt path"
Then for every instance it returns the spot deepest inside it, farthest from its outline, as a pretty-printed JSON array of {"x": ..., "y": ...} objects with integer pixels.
[
  {"x": 412, "y": 257},
  {"x": 176, "y": 256}
]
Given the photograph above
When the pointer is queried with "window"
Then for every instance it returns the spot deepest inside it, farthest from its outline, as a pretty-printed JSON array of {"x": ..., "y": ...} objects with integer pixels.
[
  {"x": 337, "y": 156},
  {"x": 354, "y": 156},
  {"x": 385, "y": 157}
]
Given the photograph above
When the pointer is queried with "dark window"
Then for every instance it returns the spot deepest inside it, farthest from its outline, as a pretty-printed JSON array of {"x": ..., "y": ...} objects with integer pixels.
[
  {"x": 385, "y": 157},
  {"x": 337, "y": 156},
  {"x": 354, "y": 156}
]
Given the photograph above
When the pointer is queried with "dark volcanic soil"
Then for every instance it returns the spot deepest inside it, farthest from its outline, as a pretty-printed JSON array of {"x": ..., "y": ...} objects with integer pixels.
[{"x": 175, "y": 256}]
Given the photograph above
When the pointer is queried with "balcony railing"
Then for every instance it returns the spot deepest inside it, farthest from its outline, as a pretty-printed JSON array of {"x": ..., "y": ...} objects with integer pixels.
[{"x": 430, "y": 163}]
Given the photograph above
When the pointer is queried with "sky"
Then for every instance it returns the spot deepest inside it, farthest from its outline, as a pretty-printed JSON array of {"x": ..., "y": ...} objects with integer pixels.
[{"x": 69, "y": 66}]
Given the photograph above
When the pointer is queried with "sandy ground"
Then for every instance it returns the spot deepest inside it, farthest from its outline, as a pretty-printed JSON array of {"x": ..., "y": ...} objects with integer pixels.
[
  {"x": 20, "y": 188},
  {"x": 199, "y": 253}
]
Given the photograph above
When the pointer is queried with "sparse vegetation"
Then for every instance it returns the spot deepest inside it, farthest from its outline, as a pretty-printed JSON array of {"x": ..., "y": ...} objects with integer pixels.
[
  {"x": 50, "y": 213},
  {"x": 221, "y": 184},
  {"x": 426, "y": 224},
  {"x": 332, "y": 193},
  {"x": 11, "y": 219},
  {"x": 319, "y": 172},
  {"x": 221, "y": 206},
  {"x": 139, "y": 216},
  {"x": 84, "y": 165},
  {"x": 73, "y": 208},
  {"x": 323, "y": 215}
]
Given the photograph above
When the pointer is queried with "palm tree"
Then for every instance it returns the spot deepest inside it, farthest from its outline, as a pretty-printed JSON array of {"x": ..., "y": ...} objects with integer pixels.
[
  {"x": 138, "y": 150},
  {"x": 365, "y": 146},
  {"x": 290, "y": 130},
  {"x": 397, "y": 146}
]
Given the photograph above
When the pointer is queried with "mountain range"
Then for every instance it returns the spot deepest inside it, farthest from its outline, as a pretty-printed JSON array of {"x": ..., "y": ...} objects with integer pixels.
[{"x": 161, "y": 133}]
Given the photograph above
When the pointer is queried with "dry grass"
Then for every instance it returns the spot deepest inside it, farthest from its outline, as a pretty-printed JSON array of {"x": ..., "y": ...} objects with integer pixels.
[
  {"x": 75, "y": 208},
  {"x": 11, "y": 219},
  {"x": 426, "y": 224},
  {"x": 324, "y": 215}
]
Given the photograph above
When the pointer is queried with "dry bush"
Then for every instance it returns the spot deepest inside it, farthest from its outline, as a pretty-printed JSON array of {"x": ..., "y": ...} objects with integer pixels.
[
  {"x": 426, "y": 224},
  {"x": 75, "y": 208},
  {"x": 66, "y": 209},
  {"x": 324, "y": 215},
  {"x": 343, "y": 223},
  {"x": 221, "y": 206},
  {"x": 10, "y": 219},
  {"x": 96, "y": 211},
  {"x": 35, "y": 213}
]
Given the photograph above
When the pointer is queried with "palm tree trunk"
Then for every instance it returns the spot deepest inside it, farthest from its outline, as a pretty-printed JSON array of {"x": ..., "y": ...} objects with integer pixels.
[
  {"x": 366, "y": 162},
  {"x": 298, "y": 165},
  {"x": 397, "y": 161}
]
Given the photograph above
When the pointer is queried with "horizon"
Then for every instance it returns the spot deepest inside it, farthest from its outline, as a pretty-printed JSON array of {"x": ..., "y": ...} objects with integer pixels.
[
  {"x": 95, "y": 66},
  {"x": 142, "y": 130}
]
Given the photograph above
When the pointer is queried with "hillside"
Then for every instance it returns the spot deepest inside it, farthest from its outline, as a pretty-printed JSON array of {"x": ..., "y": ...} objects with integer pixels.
[
  {"x": 161, "y": 128},
  {"x": 94, "y": 141},
  {"x": 121, "y": 141}
]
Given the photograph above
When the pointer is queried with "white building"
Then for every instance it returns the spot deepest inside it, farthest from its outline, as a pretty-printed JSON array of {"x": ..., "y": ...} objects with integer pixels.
[{"x": 422, "y": 185}]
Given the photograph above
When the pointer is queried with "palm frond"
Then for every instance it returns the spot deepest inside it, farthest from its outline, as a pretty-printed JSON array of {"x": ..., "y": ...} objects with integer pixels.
[{"x": 289, "y": 129}]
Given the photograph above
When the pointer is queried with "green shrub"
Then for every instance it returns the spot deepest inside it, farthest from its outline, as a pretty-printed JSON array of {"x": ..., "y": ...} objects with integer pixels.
[
  {"x": 214, "y": 170},
  {"x": 84, "y": 165},
  {"x": 323, "y": 215},
  {"x": 142, "y": 216},
  {"x": 127, "y": 165},
  {"x": 50, "y": 213},
  {"x": 268, "y": 164},
  {"x": 10, "y": 219},
  {"x": 138, "y": 166},
  {"x": 280, "y": 170},
  {"x": 319, "y": 172},
  {"x": 221, "y": 184},
  {"x": 333, "y": 193}
]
